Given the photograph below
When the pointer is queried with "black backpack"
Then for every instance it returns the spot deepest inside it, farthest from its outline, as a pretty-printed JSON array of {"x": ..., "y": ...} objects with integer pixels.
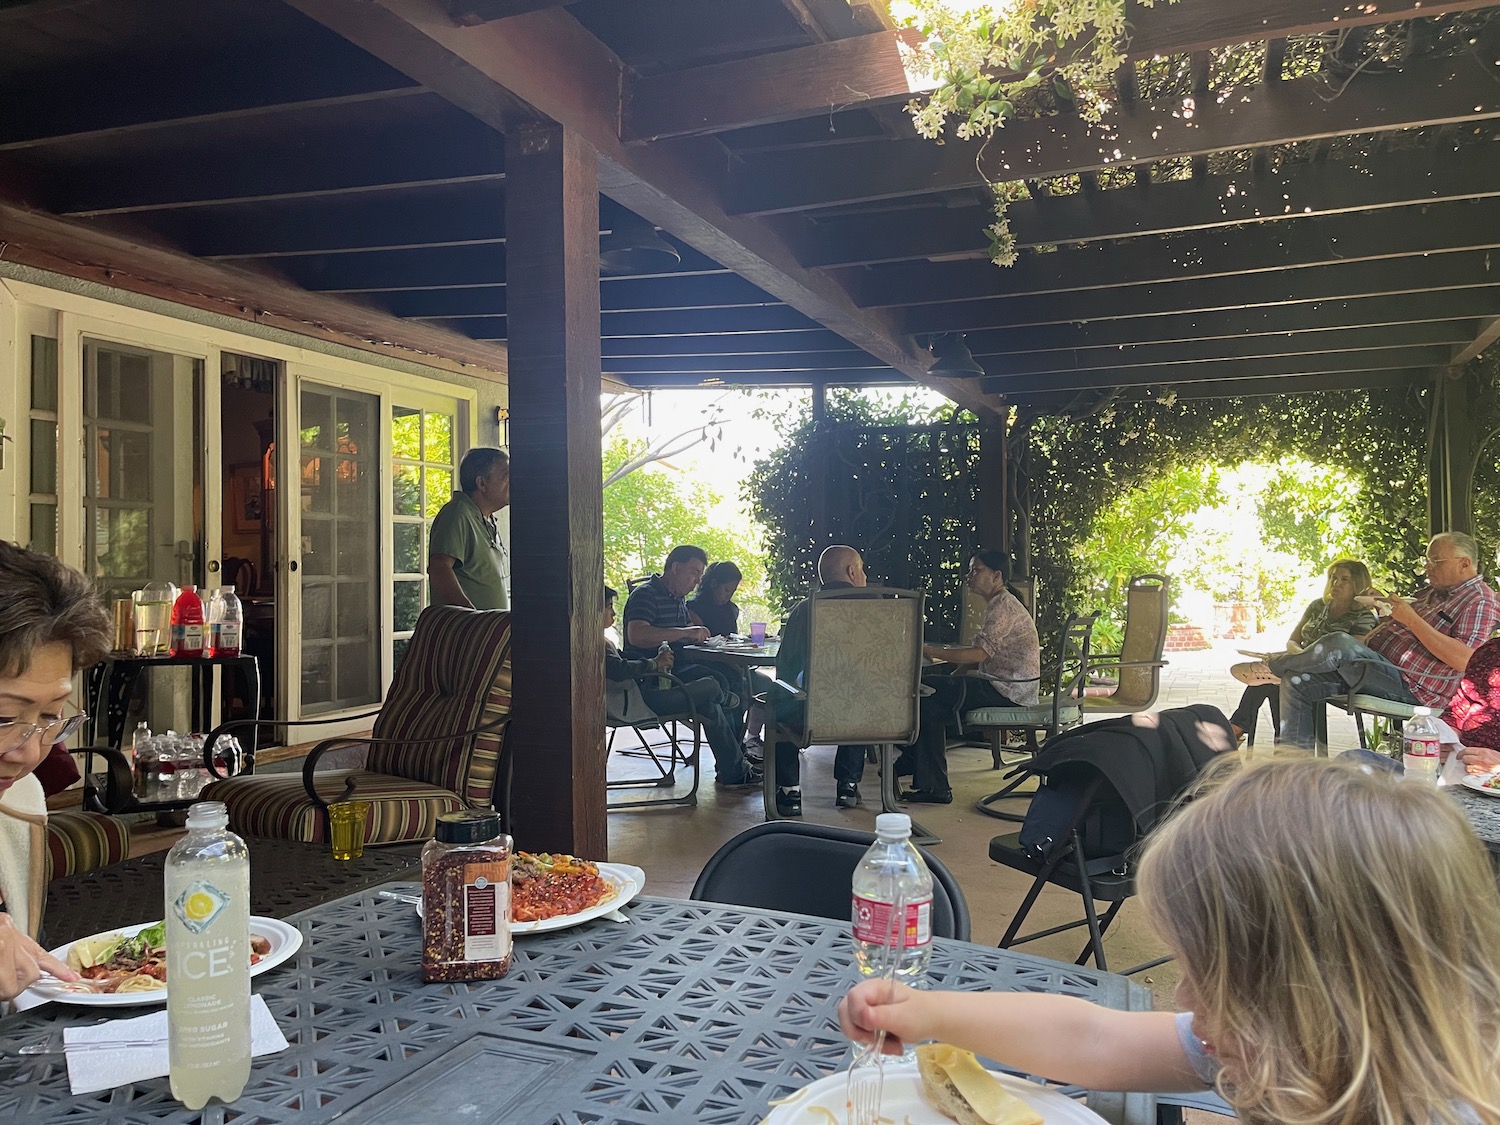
[{"x": 1107, "y": 828}]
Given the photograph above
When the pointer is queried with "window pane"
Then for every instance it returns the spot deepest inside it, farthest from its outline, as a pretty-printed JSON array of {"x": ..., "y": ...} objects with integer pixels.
[
  {"x": 407, "y": 603},
  {"x": 439, "y": 490},
  {"x": 44, "y": 528},
  {"x": 123, "y": 464},
  {"x": 356, "y": 671},
  {"x": 316, "y": 420},
  {"x": 406, "y": 490},
  {"x": 408, "y": 548},
  {"x": 122, "y": 543},
  {"x": 317, "y": 674},
  {"x": 43, "y": 373},
  {"x": 317, "y": 612},
  {"x": 354, "y": 604},
  {"x": 406, "y": 433},
  {"x": 437, "y": 443},
  {"x": 398, "y": 650},
  {"x": 43, "y": 456}
]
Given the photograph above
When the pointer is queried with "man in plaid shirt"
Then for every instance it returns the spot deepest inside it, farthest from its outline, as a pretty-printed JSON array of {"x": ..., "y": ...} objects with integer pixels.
[{"x": 1415, "y": 656}]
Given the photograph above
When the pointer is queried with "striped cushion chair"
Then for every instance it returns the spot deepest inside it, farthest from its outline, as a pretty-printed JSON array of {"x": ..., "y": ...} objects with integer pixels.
[
  {"x": 80, "y": 841},
  {"x": 436, "y": 745}
]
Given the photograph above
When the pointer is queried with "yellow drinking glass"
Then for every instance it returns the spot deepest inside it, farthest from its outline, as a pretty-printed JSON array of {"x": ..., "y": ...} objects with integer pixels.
[{"x": 347, "y": 821}]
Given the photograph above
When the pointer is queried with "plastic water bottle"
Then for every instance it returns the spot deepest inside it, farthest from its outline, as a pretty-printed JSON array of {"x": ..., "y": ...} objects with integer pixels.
[
  {"x": 139, "y": 742},
  {"x": 893, "y": 863},
  {"x": 1421, "y": 746},
  {"x": 225, "y": 622},
  {"x": 187, "y": 623},
  {"x": 208, "y": 959},
  {"x": 662, "y": 683}
]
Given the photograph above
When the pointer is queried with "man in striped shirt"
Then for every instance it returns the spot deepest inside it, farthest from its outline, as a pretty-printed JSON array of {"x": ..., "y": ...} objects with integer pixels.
[{"x": 1415, "y": 656}]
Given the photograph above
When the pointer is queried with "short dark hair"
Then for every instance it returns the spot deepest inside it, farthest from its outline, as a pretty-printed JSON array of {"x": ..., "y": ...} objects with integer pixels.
[
  {"x": 721, "y": 573},
  {"x": 686, "y": 553},
  {"x": 46, "y": 602},
  {"x": 477, "y": 463},
  {"x": 997, "y": 561},
  {"x": 610, "y": 594}
]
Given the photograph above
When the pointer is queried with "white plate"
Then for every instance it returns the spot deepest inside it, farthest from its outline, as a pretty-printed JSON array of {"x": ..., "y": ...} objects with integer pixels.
[
  {"x": 1475, "y": 781},
  {"x": 285, "y": 940},
  {"x": 624, "y": 880},
  {"x": 903, "y": 1101}
]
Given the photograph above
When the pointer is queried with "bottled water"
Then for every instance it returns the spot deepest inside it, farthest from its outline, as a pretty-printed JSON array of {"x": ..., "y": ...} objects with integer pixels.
[
  {"x": 139, "y": 741},
  {"x": 893, "y": 862},
  {"x": 1420, "y": 746},
  {"x": 208, "y": 959},
  {"x": 225, "y": 622}
]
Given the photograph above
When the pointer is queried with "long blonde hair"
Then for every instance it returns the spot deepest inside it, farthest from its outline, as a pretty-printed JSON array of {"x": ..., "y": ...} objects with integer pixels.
[{"x": 1339, "y": 930}]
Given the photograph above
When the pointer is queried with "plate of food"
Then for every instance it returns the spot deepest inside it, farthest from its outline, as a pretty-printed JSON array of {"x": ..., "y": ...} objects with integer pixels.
[
  {"x": 946, "y": 1085},
  {"x": 552, "y": 891},
  {"x": 128, "y": 965},
  {"x": 1486, "y": 783}
]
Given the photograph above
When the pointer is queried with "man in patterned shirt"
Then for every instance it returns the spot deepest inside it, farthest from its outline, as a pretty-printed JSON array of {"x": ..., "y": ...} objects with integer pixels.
[{"x": 1415, "y": 656}]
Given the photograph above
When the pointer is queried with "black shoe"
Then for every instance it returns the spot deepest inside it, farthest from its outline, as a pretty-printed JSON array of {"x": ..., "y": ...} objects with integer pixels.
[
  {"x": 789, "y": 802},
  {"x": 755, "y": 755},
  {"x": 923, "y": 797},
  {"x": 848, "y": 795},
  {"x": 753, "y": 779}
]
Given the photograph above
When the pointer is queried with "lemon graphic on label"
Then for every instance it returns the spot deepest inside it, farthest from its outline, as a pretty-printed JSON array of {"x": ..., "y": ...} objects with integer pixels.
[{"x": 199, "y": 906}]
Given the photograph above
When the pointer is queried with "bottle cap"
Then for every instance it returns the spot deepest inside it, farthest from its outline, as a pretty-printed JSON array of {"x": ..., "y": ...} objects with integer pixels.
[
  {"x": 1415, "y": 711},
  {"x": 467, "y": 827},
  {"x": 893, "y": 824},
  {"x": 207, "y": 814}
]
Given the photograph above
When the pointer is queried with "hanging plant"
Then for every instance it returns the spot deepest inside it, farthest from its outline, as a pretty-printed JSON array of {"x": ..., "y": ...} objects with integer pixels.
[{"x": 987, "y": 58}]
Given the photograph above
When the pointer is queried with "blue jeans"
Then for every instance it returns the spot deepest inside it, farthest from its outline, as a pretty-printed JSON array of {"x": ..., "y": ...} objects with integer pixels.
[
  {"x": 1334, "y": 664},
  {"x": 705, "y": 693}
]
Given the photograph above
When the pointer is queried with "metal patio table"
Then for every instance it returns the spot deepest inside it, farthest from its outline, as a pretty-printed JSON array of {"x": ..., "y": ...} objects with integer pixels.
[
  {"x": 1483, "y": 814},
  {"x": 690, "y": 1012}
]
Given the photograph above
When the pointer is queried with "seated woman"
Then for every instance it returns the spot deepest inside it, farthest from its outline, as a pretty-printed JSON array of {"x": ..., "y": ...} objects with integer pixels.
[
  {"x": 51, "y": 625},
  {"x": 713, "y": 606},
  {"x": 1475, "y": 710},
  {"x": 1335, "y": 612}
]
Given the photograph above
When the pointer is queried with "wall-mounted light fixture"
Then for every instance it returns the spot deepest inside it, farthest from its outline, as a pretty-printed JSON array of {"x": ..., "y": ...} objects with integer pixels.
[{"x": 502, "y": 422}]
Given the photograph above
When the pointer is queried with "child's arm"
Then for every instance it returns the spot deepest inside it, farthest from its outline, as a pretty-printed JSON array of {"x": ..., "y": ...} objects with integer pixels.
[{"x": 1059, "y": 1037}]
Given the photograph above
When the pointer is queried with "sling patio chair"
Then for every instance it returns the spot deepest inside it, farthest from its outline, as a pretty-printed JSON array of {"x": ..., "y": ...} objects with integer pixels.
[
  {"x": 1138, "y": 664},
  {"x": 437, "y": 745},
  {"x": 665, "y": 759}
]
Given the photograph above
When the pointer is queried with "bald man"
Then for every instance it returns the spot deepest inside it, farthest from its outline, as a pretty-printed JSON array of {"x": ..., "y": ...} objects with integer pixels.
[{"x": 840, "y": 567}]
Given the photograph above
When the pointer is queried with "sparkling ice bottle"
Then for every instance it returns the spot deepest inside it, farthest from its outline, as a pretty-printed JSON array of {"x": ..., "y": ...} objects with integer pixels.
[
  {"x": 893, "y": 862},
  {"x": 208, "y": 959},
  {"x": 1420, "y": 746}
]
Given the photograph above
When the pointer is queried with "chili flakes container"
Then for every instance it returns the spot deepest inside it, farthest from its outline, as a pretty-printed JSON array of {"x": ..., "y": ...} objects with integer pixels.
[{"x": 466, "y": 899}]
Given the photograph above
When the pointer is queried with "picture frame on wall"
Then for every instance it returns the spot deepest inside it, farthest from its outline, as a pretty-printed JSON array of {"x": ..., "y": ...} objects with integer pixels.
[{"x": 246, "y": 499}]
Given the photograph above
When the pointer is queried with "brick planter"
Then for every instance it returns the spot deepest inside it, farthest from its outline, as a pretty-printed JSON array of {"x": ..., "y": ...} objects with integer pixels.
[{"x": 1185, "y": 638}]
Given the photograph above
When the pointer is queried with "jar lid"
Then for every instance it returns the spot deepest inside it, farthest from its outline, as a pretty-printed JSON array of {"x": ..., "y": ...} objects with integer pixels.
[{"x": 467, "y": 827}]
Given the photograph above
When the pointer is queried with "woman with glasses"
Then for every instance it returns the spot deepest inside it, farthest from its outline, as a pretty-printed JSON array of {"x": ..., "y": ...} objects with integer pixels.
[
  {"x": 1334, "y": 612},
  {"x": 51, "y": 625}
]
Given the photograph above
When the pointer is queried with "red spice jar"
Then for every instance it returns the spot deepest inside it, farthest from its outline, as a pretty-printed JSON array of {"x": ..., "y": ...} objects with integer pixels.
[{"x": 466, "y": 899}]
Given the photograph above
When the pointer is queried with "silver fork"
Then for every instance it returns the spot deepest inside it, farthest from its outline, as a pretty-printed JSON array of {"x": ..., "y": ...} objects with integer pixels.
[{"x": 865, "y": 1085}]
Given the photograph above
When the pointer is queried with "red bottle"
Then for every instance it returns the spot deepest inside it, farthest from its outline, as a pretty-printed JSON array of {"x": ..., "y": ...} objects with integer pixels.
[{"x": 187, "y": 623}]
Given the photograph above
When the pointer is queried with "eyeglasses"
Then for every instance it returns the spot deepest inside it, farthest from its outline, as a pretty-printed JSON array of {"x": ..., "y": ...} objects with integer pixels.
[
  {"x": 1429, "y": 561},
  {"x": 14, "y": 734}
]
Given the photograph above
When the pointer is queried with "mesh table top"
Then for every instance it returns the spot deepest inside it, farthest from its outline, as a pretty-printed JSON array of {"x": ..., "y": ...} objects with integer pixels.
[{"x": 691, "y": 1012}]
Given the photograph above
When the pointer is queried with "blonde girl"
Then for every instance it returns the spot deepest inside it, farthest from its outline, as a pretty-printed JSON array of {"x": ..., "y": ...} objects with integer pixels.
[{"x": 1338, "y": 932}]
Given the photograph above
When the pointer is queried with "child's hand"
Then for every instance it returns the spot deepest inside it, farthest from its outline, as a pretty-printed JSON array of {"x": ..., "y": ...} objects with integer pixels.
[{"x": 907, "y": 1015}]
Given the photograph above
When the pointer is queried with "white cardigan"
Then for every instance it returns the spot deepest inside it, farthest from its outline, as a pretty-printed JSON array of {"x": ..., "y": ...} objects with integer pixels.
[{"x": 23, "y": 852}]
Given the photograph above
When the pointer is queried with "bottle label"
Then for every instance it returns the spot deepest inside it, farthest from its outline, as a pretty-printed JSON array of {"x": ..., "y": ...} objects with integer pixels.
[
  {"x": 187, "y": 638},
  {"x": 872, "y": 922},
  {"x": 226, "y": 634},
  {"x": 198, "y": 905},
  {"x": 486, "y": 912},
  {"x": 1422, "y": 747}
]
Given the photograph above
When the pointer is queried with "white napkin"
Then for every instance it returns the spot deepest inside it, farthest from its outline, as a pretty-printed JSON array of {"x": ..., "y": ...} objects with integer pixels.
[{"x": 101, "y": 1069}]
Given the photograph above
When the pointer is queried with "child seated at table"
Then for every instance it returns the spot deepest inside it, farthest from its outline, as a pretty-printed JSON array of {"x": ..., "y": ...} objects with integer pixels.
[{"x": 1338, "y": 931}]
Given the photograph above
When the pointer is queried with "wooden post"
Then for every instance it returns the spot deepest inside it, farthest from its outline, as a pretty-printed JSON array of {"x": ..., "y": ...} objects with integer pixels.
[
  {"x": 556, "y": 738},
  {"x": 992, "y": 500}
]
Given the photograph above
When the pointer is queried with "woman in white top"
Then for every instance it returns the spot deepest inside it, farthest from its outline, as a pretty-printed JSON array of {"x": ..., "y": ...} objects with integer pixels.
[{"x": 51, "y": 625}]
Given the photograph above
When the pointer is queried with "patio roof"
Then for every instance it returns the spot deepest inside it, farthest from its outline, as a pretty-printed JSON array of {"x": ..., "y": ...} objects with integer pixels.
[{"x": 1284, "y": 236}]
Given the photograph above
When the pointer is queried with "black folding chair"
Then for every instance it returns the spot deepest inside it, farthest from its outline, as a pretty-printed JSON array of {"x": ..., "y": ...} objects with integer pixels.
[{"x": 809, "y": 869}]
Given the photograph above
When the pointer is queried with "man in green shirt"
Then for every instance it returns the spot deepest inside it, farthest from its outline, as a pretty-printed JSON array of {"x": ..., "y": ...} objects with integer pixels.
[{"x": 466, "y": 559}]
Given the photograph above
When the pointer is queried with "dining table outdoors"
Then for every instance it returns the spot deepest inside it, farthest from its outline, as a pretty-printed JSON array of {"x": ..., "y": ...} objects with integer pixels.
[
  {"x": 686, "y": 1012},
  {"x": 1482, "y": 811}
]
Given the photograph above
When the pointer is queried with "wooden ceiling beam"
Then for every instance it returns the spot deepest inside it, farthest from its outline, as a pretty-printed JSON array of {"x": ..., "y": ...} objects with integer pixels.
[
  {"x": 1272, "y": 367},
  {"x": 872, "y": 377},
  {"x": 1294, "y": 244},
  {"x": 744, "y": 343},
  {"x": 548, "y": 61},
  {"x": 1243, "y": 388},
  {"x": 707, "y": 364},
  {"x": 1489, "y": 333},
  {"x": 471, "y": 12},
  {"x": 1468, "y": 307},
  {"x": 1436, "y": 333},
  {"x": 875, "y": 69},
  {"x": 1430, "y": 92},
  {"x": 48, "y": 243},
  {"x": 1294, "y": 192},
  {"x": 1323, "y": 283},
  {"x": 473, "y": 312}
]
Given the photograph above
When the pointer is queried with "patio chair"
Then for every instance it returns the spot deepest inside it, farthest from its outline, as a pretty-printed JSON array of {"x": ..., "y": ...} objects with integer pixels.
[
  {"x": 1138, "y": 663},
  {"x": 1057, "y": 710},
  {"x": 437, "y": 743},
  {"x": 79, "y": 841},
  {"x": 808, "y": 869},
  {"x": 1358, "y": 704},
  {"x": 641, "y": 720},
  {"x": 862, "y": 684}
]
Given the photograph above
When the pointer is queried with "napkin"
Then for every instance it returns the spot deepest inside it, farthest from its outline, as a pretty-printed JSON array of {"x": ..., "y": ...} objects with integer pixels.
[{"x": 100, "y": 1069}]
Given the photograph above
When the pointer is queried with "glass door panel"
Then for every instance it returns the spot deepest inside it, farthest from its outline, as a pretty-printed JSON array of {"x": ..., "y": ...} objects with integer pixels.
[
  {"x": 422, "y": 481},
  {"x": 339, "y": 506}
]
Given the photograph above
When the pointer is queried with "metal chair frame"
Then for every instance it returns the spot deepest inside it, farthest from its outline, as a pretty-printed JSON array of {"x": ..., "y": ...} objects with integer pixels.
[{"x": 666, "y": 771}]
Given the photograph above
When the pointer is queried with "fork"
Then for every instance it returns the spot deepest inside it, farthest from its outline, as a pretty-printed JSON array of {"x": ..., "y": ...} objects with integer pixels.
[{"x": 865, "y": 1085}]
